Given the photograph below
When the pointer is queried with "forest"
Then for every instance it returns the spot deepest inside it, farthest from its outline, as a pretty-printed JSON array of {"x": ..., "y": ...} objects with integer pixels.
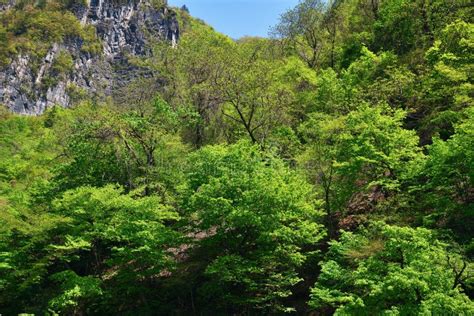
[{"x": 325, "y": 170}]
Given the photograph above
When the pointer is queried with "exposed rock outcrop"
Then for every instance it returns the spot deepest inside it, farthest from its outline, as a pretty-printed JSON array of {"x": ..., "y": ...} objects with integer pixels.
[
  {"x": 6, "y": 5},
  {"x": 125, "y": 29}
]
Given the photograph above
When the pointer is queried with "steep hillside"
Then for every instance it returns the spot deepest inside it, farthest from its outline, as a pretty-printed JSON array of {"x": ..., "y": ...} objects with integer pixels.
[
  {"x": 326, "y": 170},
  {"x": 56, "y": 51}
]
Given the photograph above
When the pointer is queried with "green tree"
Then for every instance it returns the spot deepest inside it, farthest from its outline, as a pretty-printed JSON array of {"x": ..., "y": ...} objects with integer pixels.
[
  {"x": 259, "y": 218},
  {"x": 448, "y": 191},
  {"x": 27, "y": 154},
  {"x": 191, "y": 70},
  {"x": 255, "y": 100},
  {"x": 448, "y": 85},
  {"x": 133, "y": 147},
  {"x": 389, "y": 270},
  {"x": 99, "y": 245},
  {"x": 348, "y": 155},
  {"x": 302, "y": 30}
]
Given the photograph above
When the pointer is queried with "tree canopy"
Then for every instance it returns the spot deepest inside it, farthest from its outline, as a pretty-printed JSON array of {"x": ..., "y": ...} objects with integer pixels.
[{"x": 325, "y": 170}]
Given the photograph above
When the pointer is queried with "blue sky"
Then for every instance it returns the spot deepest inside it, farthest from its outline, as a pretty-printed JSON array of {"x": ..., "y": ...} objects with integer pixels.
[{"x": 238, "y": 18}]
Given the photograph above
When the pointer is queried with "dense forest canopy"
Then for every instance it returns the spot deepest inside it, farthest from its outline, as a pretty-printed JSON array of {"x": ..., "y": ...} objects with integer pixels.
[{"x": 327, "y": 169}]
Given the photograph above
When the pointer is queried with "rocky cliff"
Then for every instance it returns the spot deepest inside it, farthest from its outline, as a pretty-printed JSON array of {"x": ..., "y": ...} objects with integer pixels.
[{"x": 124, "y": 27}]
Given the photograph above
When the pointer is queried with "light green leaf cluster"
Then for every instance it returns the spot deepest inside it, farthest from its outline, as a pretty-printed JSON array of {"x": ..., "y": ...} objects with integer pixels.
[
  {"x": 389, "y": 270},
  {"x": 259, "y": 216}
]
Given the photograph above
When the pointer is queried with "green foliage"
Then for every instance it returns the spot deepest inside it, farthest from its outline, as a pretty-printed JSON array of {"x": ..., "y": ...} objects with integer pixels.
[
  {"x": 254, "y": 98},
  {"x": 366, "y": 149},
  {"x": 199, "y": 189},
  {"x": 389, "y": 270},
  {"x": 87, "y": 231},
  {"x": 106, "y": 216},
  {"x": 258, "y": 216},
  {"x": 396, "y": 29},
  {"x": 62, "y": 66},
  {"x": 33, "y": 29},
  {"x": 158, "y": 3},
  {"x": 133, "y": 148},
  {"x": 191, "y": 69},
  {"x": 303, "y": 28},
  {"x": 27, "y": 150},
  {"x": 300, "y": 80},
  {"x": 118, "y": 240},
  {"x": 451, "y": 178},
  {"x": 76, "y": 291},
  {"x": 448, "y": 87},
  {"x": 4, "y": 46}
]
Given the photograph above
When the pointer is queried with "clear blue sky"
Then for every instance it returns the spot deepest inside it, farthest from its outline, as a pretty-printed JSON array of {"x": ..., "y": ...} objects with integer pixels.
[{"x": 238, "y": 18}]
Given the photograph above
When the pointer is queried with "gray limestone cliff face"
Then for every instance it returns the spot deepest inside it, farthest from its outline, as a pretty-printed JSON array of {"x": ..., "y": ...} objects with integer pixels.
[
  {"x": 6, "y": 4},
  {"x": 125, "y": 29}
]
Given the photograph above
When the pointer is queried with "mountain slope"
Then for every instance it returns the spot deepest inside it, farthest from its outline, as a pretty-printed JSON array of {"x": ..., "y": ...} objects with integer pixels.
[{"x": 57, "y": 51}]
